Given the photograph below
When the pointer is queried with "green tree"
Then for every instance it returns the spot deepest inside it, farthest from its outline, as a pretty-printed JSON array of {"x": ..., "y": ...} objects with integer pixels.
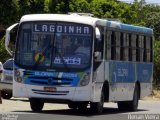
[
  {"x": 8, "y": 12},
  {"x": 156, "y": 74},
  {"x": 151, "y": 18},
  {"x": 56, "y": 6},
  {"x": 30, "y": 6},
  {"x": 36, "y": 6},
  {"x": 111, "y": 9},
  {"x": 79, "y": 6},
  {"x": 102, "y": 8},
  {"x": 3, "y": 53}
]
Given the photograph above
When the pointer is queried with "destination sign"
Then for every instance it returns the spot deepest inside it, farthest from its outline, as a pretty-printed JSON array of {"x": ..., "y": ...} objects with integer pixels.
[
  {"x": 68, "y": 60},
  {"x": 71, "y": 29}
]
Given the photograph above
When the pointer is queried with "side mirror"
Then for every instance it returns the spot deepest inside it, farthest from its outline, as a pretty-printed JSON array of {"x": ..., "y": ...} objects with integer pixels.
[
  {"x": 97, "y": 55},
  {"x": 7, "y": 39},
  {"x": 98, "y": 35},
  {"x": 13, "y": 53},
  {"x": 98, "y": 40}
]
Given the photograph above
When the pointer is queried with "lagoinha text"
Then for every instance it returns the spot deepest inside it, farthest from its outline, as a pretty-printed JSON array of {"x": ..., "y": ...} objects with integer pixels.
[{"x": 51, "y": 28}]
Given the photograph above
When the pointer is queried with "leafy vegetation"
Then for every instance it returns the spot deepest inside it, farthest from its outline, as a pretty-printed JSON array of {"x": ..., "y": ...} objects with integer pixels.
[{"x": 137, "y": 13}]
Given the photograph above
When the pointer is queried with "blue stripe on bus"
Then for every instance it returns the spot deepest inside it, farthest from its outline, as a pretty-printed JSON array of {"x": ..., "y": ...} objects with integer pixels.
[
  {"x": 128, "y": 27},
  {"x": 42, "y": 78},
  {"x": 129, "y": 72}
]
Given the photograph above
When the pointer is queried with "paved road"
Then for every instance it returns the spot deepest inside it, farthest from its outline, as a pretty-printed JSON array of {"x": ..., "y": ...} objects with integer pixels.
[{"x": 19, "y": 109}]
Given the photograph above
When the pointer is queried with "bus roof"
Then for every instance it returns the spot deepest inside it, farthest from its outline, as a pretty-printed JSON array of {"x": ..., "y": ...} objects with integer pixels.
[
  {"x": 75, "y": 18},
  {"x": 59, "y": 17},
  {"x": 126, "y": 27}
]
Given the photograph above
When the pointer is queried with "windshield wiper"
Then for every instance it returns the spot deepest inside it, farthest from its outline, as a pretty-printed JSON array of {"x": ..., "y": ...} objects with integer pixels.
[
  {"x": 59, "y": 54},
  {"x": 40, "y": 56},
  {"x": 61, "y": 58}
]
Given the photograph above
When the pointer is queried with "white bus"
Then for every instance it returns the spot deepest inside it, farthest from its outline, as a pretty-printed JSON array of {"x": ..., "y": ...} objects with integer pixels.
[{"x": 82, "y": 61}]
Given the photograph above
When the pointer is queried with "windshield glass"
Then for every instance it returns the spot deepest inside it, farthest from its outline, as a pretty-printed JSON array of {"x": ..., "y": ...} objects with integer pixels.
[{"x": 54, "y": 45}]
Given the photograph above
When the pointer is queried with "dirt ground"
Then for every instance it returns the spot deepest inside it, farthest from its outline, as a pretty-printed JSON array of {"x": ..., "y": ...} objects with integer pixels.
[{"x": 154, "y": 96}]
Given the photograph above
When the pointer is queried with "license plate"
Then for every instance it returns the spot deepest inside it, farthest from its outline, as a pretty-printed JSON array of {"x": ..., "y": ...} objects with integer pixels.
[{"x": 51, "y": 89}]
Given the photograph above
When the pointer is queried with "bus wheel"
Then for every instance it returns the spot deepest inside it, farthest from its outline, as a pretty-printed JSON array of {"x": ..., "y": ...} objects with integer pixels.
[
  {"x": 36, "y": 104},
  {"x": 6, "y": 95},
  {"x": 82, "y": 106},
  {"x": 130, "y": 105},
  {"x": 97, "y": 107},
  {"x": 72, "y": 105},
  {"x": 133, "y": 105}
]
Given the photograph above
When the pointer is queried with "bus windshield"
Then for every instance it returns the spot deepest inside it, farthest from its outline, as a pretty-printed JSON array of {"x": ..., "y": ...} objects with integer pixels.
[{"x": 54, "y": 45}]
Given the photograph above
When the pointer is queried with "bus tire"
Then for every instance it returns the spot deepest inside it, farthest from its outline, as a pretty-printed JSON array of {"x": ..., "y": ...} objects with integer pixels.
[
  {"x": 78, "y": 105},
  {"x": 130, "y": 105},
  {"x": 82, "y": 106},
  {"x": 97, "y": 107},
  {"x": 36, "y": 104},
  {"x": 6, "y": 95},
  {"x": 72, "y": 105},
  {"x": 133, "y": 105}
]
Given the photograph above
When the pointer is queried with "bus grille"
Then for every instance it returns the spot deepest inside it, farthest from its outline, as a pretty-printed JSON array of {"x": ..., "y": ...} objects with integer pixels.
[{"x": 51, "y": 81}]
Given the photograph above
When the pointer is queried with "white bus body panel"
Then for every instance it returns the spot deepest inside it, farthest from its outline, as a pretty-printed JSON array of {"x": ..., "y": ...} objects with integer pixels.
[
  {"x": 74, "y": 93},
  {"x": 98, "y": 82},
  {"x": 146, "y": 89}
]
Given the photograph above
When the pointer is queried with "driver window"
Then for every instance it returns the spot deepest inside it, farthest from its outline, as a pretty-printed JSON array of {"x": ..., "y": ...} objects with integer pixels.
[{"x": 99, "y": 42}]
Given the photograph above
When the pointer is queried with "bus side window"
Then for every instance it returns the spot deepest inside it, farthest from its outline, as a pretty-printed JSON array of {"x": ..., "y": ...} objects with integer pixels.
[
  {"x": 113, "y": 46},
  {"x": 130, "y": 47},
  {"x": 102, "y": 45},
  {"x": 137, "y": 48},
  {"x": 126, "y": 46},
  {"x": 151, "y": 49},
  {"x": 117, "y": 45},
  {"x": 133, "y": 45},
  {"x": 122, "y": 46},
  {"x": 145, "y": 50},
  {"x": 148, "y": 49},
  {"x": 142, "y": 47},
  {"x": 108, "y": 45}
]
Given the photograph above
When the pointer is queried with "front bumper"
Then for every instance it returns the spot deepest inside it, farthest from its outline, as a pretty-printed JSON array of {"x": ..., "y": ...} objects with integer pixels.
[{"x": 61, "y": 93}]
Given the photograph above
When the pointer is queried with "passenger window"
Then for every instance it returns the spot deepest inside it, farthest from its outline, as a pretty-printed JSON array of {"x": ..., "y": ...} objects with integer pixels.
[
  {"x": 113, "y": 46},
  {"x": 108, "y": 45},
  {"x": 141, "y": 47},
  {"x": 122, "y": 46},
  {"x": 148, "y": 49},
  {"x": 117, "y": 45},
  {"x": 145, "y": 51},
  {"x": 130, "y": 47},
  {"x": 137, "y": 48},
  {"x": 126, "y": 46},
  {"x": 133, "y": 45}
]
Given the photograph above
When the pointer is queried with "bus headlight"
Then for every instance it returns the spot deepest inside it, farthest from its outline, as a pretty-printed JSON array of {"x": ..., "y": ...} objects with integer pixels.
[
  {"x": 17, "y": 73},
  {"x": 18, "y": 77},
  {"x": 85, "y": 80}
]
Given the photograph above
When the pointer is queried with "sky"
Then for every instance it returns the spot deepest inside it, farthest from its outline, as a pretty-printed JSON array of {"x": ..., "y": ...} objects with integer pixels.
[{"x": 148, "y": 1}]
